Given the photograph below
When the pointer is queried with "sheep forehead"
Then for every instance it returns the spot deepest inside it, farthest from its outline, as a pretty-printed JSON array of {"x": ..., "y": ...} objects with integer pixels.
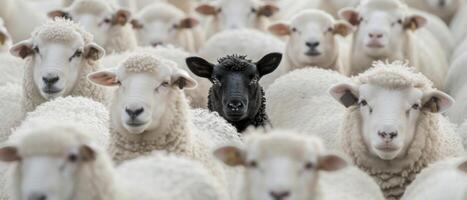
[
  {"x": 396, "y": 75},
  {"x": 234, "y": 63},
  {"x": 95, "y": 7},
  {"x": 161, "y": 12},
  {"x": 62, "y": 30},
  {"x": 316, "y": 17},
  {"x": 382, "y": 5},
  {"x": 50, "y": 139},
  {"x": 238, "y": 2},
  {"x": 263, "y": 147},
  {"x": 147, "y": 63}
]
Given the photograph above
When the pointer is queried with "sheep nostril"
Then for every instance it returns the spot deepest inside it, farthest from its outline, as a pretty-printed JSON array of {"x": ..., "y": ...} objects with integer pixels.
[
  {"x": 134, "y": 113},
  {"x": 279, "y": 195},
  {"x": 312, "y": 44},
  {"x": 37, "y": 196},
  {"x": 50, "y": 80}
]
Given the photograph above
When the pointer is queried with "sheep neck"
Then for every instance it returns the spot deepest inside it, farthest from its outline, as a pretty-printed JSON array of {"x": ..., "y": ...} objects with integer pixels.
[
  {"x": 172, "y": 138},
  {"x": 392, "y": 176}
]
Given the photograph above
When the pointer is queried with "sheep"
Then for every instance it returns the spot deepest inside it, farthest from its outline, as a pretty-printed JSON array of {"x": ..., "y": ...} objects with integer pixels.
[
  {"x": 20, "y": 18},
  {"x": 10, "y": 66},
  {"x": 109, "y": 25},
  {"x": 198, "y": 97},
  {"x": 236, "y": 93},
  {"x": 312, "y": 40},
  {"x": 285, "y": 165},
  {"x": 445, "y": 9},
  {"x": 9, "y": 95},
  {"x": 76, "y": 168},
  {"x": 446, "y": 179},
  {"x": 236, "y": 14},
  {"x": 149, "y": 112},
  {"x": 288, "y": 8},
  {"x": 58, "y": 57},
  {"x": 458, "y": 24},
  {"x": 413, "y": 134},
  {"x": 386, "y": 30},
  {"x": 456, "y": 87},
  {"x": 253, "y": 43},
  {"x": 163, "y": 23}
]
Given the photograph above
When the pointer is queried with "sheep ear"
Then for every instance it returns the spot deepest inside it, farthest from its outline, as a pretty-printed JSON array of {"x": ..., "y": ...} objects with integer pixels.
[
  {"x": 59, "y": 13},
  {"x": 414, "y": 22},
  {"x": 268, "y": 63},
  {"x": 280, "y": 29},
  {"x": 86, "y": 153},
  {"x": 3, "y": 38},
  {"x": 188, "y": 22},
  {"x": 104, "y": 78},
  {"x": 200, "y": 67},
  {"x": 121, "y": 17},
  {"x": 22, "y": 49},
  {"x": 437, "y": 102},
  {"x": 350, "y": 15},
  {"x": 331, "y": 163},
  {"x": 345, "y": 93},
  {"x": 207, "y": 9},
  {"x": 93, "y": 51},
  {"x": 182, "y": 79},
  {"x": 463, "y": 166},
  {"x": 9, "y": 154},
  {"x": 231, "y": 155},
  {"x": 136, "y": 24},
  {"x": 267, "y": 10},
  {"x": 342, "y": 28}
]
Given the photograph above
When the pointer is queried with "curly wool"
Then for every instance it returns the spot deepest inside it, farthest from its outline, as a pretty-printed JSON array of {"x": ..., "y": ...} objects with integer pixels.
[
  {"x": 61, "y": 30},
  {"x": 433, "y": 139},
  {"x": 145, "y": 62},
  {"x": 234, "y": 62}
]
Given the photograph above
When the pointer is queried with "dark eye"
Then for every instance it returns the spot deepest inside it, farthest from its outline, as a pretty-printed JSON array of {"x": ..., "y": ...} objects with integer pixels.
[
  {"x": 107, "y": 20},
  {"x": 219, "y": 10},
  {"x": 165, "y": 84},
  {"x": 363, "y": 103},
  {"x": 294, "y": 29},
  {"x": 253, "y": 10},
  {"x": 330, "y": 29},
  {"x": 416, "y": 106},
  {"x": 309, "y": 165},
  {"x": 252, "y": 164},
  {"x": 77, "y": 54},
  {"x": 399, "y": 21},
  {"x": 36, "y": 49},
  {"x": 72, "y": 158}
]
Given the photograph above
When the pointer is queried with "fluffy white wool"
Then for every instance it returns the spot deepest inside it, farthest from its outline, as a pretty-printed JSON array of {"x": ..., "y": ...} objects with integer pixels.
[
  {"x": 12, "y": 69},
  {"x": 456, "y": 86},
  {"x": 21, "y": 18},
  {"x": 11, "y": 107}
]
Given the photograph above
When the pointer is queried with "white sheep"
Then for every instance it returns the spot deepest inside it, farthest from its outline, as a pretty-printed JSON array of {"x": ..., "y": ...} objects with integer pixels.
[
  {"x": 20, "y": 18},
  {"x": 457, "y": 88},
  {"x": 313, "y": 40},
  {"x": 10, "y": 94},
  {"x": 236, "y": 14},
  {"x": 412, "y": 134},
  {"x": 386, "y": 30},
  {"x": 458, "y": 24},
  {"x": 149, "y": 112},
  {"x": 333, "y": 6},
  {"x": 10, "y": 66},
  {"x": 253, "y": 43},
  {"x": 76, "y": 168},
  {"x": 163, "y": 23},
  {"x": 198, "y": 97},
  {"x": 109, "y": 25},
  {"x": 446, "y": 179},
  {"x": 285, "y": 165},
  {"x": 445, "y": 9}
]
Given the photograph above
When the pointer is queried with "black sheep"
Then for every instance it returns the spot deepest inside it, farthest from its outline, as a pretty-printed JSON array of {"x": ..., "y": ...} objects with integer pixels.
[{"x": 236, "y": 94}]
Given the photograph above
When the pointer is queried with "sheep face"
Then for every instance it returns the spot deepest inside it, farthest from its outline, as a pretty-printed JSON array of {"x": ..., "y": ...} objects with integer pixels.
[
  {"x": 280, "y": 167},
  {"x": 143, "y": 95},
  {"x": 382, "y": 26},
  {"x": 312, "y": 37},
  {"x": 95, "y": 16},
  {"x": 236, "y": 93},
  {"x": 57, "y": 65},
  {"x": 235, "y": 14},
  {"x": 389, "y": 116}
]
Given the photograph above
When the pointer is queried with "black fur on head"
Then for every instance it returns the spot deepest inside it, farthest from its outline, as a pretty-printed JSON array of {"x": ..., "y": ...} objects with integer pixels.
[{"x": 236, "y": 94}]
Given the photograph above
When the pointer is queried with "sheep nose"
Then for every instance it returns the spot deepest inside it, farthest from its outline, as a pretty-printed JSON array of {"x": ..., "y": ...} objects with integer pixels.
[
  {"x": 279, "y": 195},
  {"x": 37, "y": 196},
  {"x": 155, "y": 44},
  {"x": 442, "y": 3},
  {"x": 235, "y": 105},
  {"x": 375, "y": 35},
  {"x": 312, "y": 45},
  {"x": 134, "y": 113},
  {"x": 387, "y": 136},
  {"x": 50, "y": 80}
]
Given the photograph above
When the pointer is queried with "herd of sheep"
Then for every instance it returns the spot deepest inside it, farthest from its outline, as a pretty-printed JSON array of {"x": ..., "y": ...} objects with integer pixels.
[{"x": 233, "y": 99}]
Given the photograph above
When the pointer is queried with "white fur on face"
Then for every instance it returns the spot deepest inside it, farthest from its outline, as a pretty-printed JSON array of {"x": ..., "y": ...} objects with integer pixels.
[
  {"x": 235, "y": 14},
  {"x": 142, "y": 90},
  {"x": 312, "y": 40},
  {"x": 57, "y": 60},
  {"x": 381, "y": 33},
  {"x": 98, "y": 24},
  {"x": 389, "y": 119},
  {"x": 44, "y": 176},
  {"x": 280, "y": 173},
  {"x": 158, "y": 32}
]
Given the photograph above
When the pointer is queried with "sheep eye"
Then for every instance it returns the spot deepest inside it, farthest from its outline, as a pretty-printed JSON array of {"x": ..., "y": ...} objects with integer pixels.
[
  {"x": 165, "y": 84},
  {"x": 36, "y": 49},
  {"x": 294, "y": 29},
  {"x": 107, "y": 20},
  {"x": 399, "y": 21},
  {"x": 219, "y": 10},
  {"x": 330, "y": 29},
  {"x": 308, "y": 165},
  {"x": 77, "y": 54},
  {"x": 175, "y": 26},
  {"x": 363, "y": 103},
  {"x": 416, "y": 106},
  {"x": 253, "y": 10},
  {"x": 73, "y": 158},
  {"x": 252, "y": 164}
]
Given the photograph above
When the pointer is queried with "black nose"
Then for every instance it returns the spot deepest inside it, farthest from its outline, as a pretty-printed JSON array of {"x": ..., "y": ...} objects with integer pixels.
[
  {"x": 279, "y": 195},
  {"x": 442, "y": 3},
  {"x": 49, "y": 81},
  {"x": 312, "y": 45},
  {"x": 388, "y": 135},
  {"x": 155, "y": 44},
  {"x": 37, "y": 196},
  {"x": 235, "y": 105},
  {"x": 134, "y": 113}
]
